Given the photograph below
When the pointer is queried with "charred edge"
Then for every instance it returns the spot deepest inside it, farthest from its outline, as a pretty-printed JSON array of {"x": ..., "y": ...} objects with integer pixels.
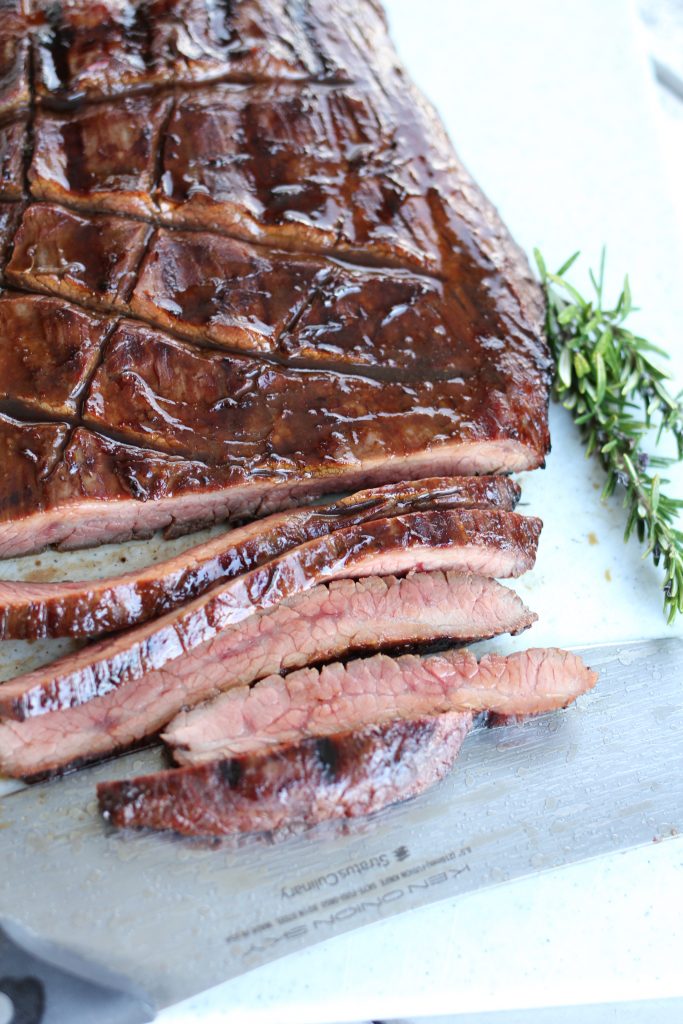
[
  {"x": 327, "y": 755},
  {"x": 229, "y": 772}
]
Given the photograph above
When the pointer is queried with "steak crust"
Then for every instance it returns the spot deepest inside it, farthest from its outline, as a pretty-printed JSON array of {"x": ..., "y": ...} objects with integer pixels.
[
  {"x": 342, "y": 776},
  {"x": 294, "y": 287}
]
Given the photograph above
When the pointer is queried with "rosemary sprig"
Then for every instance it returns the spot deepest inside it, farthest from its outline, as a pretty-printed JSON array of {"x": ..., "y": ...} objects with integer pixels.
[{"x": 611, "y": 381}]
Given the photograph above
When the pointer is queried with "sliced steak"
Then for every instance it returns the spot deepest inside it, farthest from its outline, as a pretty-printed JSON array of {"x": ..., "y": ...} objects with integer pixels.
[
  {"x": 100, "y": 489},
  {"x": 337, "y": 698},
  {"x": 486, "y": 542},
  {"x": 333, "y": 620},
  {"x": 342, "y": 776},
  {"x": 85, "y": 609},
  {"x": 110, "y": 695}
]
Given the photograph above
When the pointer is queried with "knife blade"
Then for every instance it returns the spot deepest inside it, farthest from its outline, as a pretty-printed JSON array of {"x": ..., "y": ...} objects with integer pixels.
[{"x": 175, "y": 916}]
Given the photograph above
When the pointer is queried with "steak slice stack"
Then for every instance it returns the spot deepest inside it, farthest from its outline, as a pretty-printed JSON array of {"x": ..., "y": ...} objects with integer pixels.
[
  {"x": 357, "y": 754},
  {"x": 243, "y": 268},
  {"x": 488, "y": 542},
  {"x": 84, "y": 609}
]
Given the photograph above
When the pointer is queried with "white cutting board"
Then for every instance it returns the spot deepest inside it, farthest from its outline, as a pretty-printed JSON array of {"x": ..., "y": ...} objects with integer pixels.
[{"x": 548, "y": 105}]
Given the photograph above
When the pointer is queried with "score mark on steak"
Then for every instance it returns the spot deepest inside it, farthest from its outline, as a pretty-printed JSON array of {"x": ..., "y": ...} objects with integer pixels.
[{"x": 263, "y": 180}]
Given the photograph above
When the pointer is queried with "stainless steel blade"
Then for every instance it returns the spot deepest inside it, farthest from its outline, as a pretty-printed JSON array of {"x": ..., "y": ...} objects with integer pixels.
[{"x": 177, "y": 917}]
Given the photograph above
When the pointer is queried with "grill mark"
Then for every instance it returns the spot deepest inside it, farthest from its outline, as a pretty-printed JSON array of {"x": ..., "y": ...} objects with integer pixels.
[
  {"x": 327, "y": 755},
  {"x": 30, "y": 124},
  {"x": 161, "y": 146}
]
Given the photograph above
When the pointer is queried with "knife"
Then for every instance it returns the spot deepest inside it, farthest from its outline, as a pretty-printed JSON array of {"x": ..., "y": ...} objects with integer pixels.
[{"x": 138, "y": 922}]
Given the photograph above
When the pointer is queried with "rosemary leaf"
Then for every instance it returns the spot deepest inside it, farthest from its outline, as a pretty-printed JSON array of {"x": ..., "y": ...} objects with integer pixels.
[{"x": 614, "y": 384}]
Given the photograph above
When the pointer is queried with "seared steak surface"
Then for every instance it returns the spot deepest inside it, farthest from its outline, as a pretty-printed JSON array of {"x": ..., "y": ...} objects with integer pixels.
[
  {"x": 242, "y": 267},
  {"x": 341, "y": 776}
]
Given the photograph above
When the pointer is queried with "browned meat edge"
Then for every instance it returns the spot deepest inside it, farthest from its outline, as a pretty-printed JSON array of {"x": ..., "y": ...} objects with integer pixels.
[
  {"x": 84, "y": 609},
  {"x": 341, "y": 776},
  {"x": 486, "y": 542}
]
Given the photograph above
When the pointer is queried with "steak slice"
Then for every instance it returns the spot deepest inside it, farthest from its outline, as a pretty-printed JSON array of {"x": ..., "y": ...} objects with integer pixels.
[
  {"x": 487, "y": 542},
  {"x": 330, "y": 621},
  {"x": 337, "y": 698},
  {"x": 99, "y": 489},
  {"x": 342, "y": 776},
  {"x": 85, "y": 609}
]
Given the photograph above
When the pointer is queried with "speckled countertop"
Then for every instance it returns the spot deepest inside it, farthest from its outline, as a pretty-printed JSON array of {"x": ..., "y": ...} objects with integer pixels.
[{"x": 553, "y": 109}]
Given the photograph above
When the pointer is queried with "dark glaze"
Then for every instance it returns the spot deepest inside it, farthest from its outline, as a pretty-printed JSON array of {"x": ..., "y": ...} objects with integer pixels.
[
  {"x": 12, "y": 148},
  {"x": 28, "y": 454},
  {"x": 96, "y": 50},
  {"x": 317, "y": 144},
  {"x": 89, "y": 260},
  {"x": 247, "y": 414},
  {"x": 210, "y": 287},
  {"x": 491, "y": 542},
  {"x": 103, "y": 156},
  {"x": 14, "y": 59},
  {"x": 342, "y": 776},
  {"x": 314, "y": 311},
  {"x": 48, "y": 350},
  {"x": 10, "y": 218},
  {"x": 33, "y": 610},
  {"x": 309, "y": 167}
]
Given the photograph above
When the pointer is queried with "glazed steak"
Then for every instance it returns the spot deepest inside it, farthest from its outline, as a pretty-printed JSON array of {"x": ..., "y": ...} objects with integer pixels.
[{"x": 269, "y": 276}]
